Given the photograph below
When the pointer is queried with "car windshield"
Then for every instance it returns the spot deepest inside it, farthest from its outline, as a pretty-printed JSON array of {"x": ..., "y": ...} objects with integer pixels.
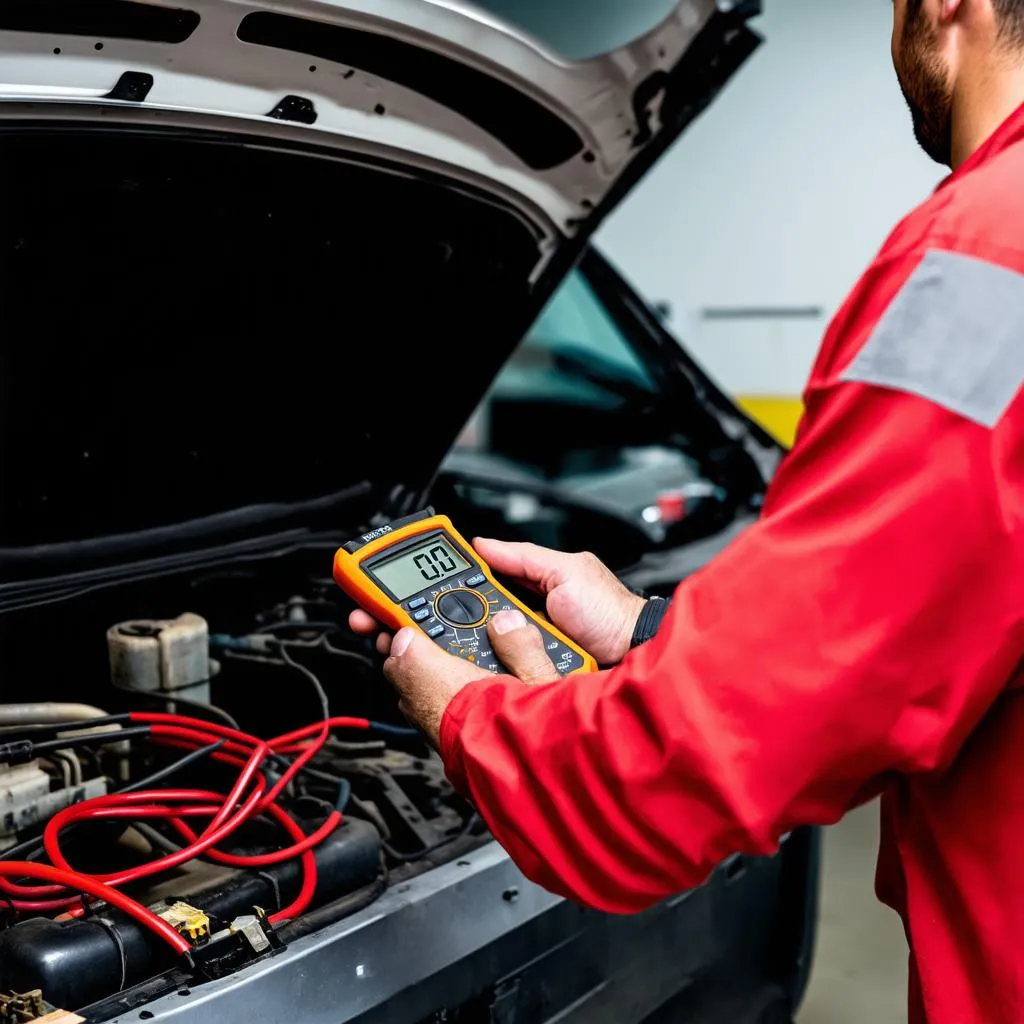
[
  {"x": 576, "y": 381},
  {"x": 574, "y": 355}
]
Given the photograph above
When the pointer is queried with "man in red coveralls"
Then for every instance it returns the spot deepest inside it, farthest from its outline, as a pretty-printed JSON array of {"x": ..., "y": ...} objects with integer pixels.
[{"x": 863, "y": 638}]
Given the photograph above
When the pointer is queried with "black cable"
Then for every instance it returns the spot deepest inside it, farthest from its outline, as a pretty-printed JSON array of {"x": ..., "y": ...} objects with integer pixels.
[
  {"x": 18, "y": 751},
  {"x": 408, "y": 858},
  {"x": 172, "y": 769},
  {"x": 322, "y": 627},
  {"x": 355, "y": 749},
  {"x": 274, "y": 884},
  {"x": 155, "y": 838},
  {"x": 103, "y": 739},
  {"x": 342, "y": 784},
  {"x": 303, "y": 602},
  {"x": 10, "y": 915},
  {"x": 111, "y": 930},
  {"x": 365, "y": 810},
  {"x": 313, "y": 773},
  {"x": 326, "y": 645},
  {"x": 28, "y": 731},
  {"x": 198, "y": 705},
  {"x": 405, "y": 731},
  {"x": 333, "y": 912},
  {"x": 23, "y": 850},
  {"x": 344, "y": 795},
  {"x": 325, "y": 806},
  {"x": 325, "y": 704}
]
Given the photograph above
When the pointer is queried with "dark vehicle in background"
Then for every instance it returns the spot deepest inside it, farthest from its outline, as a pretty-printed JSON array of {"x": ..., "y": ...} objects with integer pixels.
[
  {"x": 272, "y": 274},
  {"x": 600, "y": 432}
]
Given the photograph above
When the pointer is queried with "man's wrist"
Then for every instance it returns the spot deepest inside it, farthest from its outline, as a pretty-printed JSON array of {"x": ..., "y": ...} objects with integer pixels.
[{"x": 649, "y": 620}]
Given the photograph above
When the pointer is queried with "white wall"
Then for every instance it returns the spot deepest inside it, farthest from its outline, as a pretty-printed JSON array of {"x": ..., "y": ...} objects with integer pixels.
[
  {"x": 582, "y": 28},
  {"x": 780, "y": 194}
]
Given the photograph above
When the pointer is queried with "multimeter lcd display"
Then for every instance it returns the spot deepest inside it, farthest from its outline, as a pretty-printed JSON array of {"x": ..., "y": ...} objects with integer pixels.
[{"x": 420, "y": 567}]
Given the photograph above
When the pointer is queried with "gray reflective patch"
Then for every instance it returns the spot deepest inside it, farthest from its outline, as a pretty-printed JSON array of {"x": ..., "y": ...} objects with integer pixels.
[{"x": 954, "y": 335}]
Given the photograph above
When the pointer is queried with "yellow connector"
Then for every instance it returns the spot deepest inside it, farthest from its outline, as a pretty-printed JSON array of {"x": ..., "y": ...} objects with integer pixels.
[{"x": 187, "y": 921}]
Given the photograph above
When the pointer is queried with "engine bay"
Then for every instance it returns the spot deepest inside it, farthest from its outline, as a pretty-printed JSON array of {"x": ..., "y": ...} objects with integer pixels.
[
  {"x": 243, "y": 779},
  {"x": 174, "y": 807}
]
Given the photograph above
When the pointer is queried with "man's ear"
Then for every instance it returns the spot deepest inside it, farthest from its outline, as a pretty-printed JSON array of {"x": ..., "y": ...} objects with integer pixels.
[{"x": 948, "y": 11}]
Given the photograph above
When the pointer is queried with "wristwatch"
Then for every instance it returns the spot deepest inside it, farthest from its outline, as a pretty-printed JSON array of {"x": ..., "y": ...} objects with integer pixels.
[{"x": 649, "y": 620}]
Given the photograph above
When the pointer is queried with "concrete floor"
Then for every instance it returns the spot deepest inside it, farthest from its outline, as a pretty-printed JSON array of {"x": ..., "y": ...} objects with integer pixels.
[{"x": 860, "y": 969}]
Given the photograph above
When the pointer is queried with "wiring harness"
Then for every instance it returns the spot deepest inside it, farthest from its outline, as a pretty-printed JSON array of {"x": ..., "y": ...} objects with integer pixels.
[{"x": 205, "y": 820}]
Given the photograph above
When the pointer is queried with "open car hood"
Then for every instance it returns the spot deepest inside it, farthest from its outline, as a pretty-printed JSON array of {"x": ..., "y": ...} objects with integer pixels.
[
  {"x": 442, "y": 85},
  {"x": 266, "y": 257}
]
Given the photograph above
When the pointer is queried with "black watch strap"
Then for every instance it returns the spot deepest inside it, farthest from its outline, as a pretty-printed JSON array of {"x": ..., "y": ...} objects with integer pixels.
[{"x": 649, "y": 620}]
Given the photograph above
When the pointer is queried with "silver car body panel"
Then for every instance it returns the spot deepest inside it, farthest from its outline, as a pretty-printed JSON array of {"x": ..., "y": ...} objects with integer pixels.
[{"x": 413, "y": 932}]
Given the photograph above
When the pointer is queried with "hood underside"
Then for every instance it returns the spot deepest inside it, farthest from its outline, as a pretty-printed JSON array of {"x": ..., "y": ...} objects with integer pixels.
[
  {"x": 438, "y": 85},
  {"x": 268, "y": 253}
]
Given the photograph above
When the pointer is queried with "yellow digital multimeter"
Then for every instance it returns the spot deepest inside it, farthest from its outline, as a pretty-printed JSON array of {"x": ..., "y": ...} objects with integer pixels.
[{"x": 418, "y": 571}]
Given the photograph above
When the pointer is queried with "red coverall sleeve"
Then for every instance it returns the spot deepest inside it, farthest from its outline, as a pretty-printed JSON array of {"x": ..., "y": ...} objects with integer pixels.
[{"x": 858, "y": 629}]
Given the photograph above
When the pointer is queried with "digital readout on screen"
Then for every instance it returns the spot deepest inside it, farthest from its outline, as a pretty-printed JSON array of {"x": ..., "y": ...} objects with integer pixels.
[{"x": 420, "y": 567}]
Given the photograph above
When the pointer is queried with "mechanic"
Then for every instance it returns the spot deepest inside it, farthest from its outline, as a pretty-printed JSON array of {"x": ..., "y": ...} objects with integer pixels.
[{"x": 862, "y": 638}]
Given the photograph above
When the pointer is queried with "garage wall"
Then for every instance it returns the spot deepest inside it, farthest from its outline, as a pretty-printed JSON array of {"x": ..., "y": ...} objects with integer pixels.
[
  {"x": 582, "y": 28},
  {"x": 756, "y": 224}
]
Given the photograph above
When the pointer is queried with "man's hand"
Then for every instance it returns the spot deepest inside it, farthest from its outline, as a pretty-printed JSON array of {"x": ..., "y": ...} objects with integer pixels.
[
  {"x": 427, "y": 678},
  {"x": 584, "y": 599}
]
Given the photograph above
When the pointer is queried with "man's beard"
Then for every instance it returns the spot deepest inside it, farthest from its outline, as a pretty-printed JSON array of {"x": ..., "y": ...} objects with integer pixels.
[{"x": 926, "y": 91}]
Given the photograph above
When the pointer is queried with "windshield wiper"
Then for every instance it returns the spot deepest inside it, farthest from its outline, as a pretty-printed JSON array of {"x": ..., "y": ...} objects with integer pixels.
[{"x": 577, "y": 361}]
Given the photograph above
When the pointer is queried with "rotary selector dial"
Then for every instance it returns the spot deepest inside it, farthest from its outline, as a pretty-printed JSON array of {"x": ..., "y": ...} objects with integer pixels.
[{"x": 461, "y": 608}]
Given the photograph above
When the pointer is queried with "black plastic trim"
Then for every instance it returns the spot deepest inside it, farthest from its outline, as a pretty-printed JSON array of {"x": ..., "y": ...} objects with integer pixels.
[
  {"x": 295, "y": 108},
  {"x": 116, "y": 19},
  {"x": 132, "y": 87}
]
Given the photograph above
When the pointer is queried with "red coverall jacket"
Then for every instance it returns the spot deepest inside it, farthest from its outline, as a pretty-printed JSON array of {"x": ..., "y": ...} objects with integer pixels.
[{"x": 862, "y": 638}]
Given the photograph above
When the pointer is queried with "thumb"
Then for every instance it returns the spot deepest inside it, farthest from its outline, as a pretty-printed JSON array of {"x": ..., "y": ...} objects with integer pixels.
[
  {"x": 519, "y": 646},
  {"x": 426, "y": 679},
  {"x": 417, "y": 663}
]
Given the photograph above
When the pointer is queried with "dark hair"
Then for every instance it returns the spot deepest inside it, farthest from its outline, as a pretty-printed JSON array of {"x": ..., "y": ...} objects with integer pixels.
[{"x": 1011, "y": 19}]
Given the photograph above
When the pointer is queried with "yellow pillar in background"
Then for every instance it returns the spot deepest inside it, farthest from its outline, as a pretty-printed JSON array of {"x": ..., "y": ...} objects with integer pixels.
[{"x": 779, "y": 415}]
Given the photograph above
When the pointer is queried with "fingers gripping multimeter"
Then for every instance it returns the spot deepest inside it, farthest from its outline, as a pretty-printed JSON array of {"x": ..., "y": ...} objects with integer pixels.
[{"x": 418, "y": 571}]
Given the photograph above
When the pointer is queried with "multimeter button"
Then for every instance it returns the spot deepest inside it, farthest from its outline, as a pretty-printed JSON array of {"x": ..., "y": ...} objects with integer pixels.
[
  {"x": 475, "y": 581},
  {"x": 461, "y": 607},
  {"x": 423, "y": 613},
  {"x": 435, "y": 630},
  {"x": 417, "y": 602}
]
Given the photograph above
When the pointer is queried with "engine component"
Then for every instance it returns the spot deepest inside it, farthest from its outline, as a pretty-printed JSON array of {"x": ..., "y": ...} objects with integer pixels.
[
  {"x": 26, "y": 1007},
  {"x": 26, "y": 798},
  {"x": 254, "y": 929},
  {"x": 21, "y": 1006},
  {"x": 247, "y": 939},
  {"x": 47, "y": 713},
  {"x": 411, "y": 795},
  {"x": 79, "y": 961},
  {"x": 161, "y": 655},
  {"x": 57, "y": 713}
]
